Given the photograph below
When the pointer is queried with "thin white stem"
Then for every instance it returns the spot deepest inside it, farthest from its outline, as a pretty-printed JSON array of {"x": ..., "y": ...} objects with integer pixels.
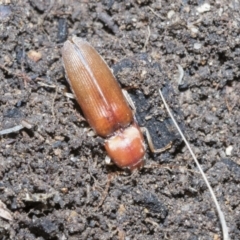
[{"x": 219, "y": 211}]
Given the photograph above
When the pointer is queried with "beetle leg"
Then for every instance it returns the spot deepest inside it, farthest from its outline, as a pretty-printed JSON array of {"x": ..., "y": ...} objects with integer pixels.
[
  {"x": 69, "y": 95},
  {"x": 144, "y": 129},
  {"x": 129, "y": 100},
  {"x": 150, "y": 142}
]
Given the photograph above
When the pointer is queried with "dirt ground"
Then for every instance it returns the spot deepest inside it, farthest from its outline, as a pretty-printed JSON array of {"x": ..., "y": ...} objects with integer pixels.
[{"x": 53, "y": 178}]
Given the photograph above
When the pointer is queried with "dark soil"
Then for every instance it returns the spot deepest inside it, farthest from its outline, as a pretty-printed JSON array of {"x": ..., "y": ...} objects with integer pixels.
[{"x": 52, "y": 174}]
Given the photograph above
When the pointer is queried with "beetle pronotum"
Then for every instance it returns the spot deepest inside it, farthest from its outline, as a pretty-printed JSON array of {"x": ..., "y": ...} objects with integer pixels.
[{"x": 103, "y": 104}]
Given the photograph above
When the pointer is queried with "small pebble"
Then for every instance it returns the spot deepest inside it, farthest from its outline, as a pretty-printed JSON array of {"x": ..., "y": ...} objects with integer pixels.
[
  {"x": 197, "y": 46},
  {"x": 204, "y": 8},
  {"x": 229, "y": 150}
]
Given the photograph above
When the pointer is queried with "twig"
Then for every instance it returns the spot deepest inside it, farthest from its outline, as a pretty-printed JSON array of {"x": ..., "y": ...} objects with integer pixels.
[
  {"x": 44, "y": 84},
  {"x": 161, "y": 17},
  {"x": 219, "y": 211},
  {"x": 22, "y": 74},
  {"x": 147, "y": 39},
  {"x": 108, "y": 21},
  {"x": 4, "y": 212},
  {"x": 111, "y": 176},
  {"x": 181, "y": 74},
  {"x": 53, "y": 101},
  {"x": 24, "y": 124}
]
